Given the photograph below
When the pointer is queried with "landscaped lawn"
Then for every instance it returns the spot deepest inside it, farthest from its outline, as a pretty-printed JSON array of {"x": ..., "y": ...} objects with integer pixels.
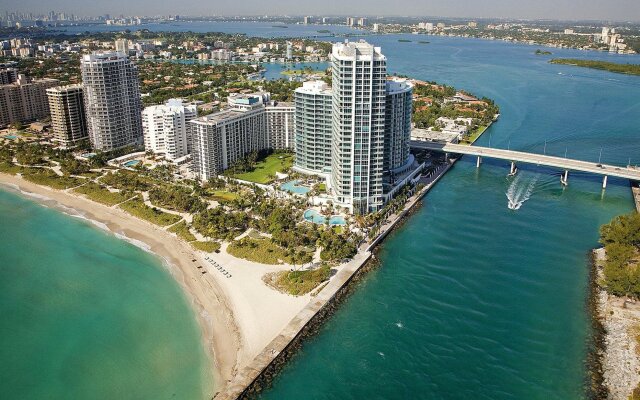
[
  {"x": 208, "y": 247},
  {"x": 182, "y": 230},
  {"x": 269, "y": 166},
  {"x": 474, "y": 135},
  {"x": 299, "y": 283},
  {"x": 137, "y": 208},
  {"x": 222, "y": 196},
  {"x": 101, "y": 194},
  {"x": 46, "y": 177},
  {"x": 260, "y": 251}
]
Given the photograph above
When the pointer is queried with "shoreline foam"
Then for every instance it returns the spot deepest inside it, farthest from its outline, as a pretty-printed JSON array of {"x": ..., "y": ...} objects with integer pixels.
[{"x": 220, "y": 334}]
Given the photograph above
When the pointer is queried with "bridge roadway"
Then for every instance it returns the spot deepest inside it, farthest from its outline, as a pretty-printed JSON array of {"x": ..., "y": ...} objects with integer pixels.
[{"x": 567, "y": 164}]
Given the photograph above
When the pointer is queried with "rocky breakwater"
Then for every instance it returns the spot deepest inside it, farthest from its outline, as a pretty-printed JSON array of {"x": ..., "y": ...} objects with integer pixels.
[{"x": 621, "y": 357}]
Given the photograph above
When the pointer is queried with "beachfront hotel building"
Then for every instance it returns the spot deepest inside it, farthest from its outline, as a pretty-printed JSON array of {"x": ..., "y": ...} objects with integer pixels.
[
  {"x": 222, "y": 138},
  {"x": 68, "y": 117},
  {"x": 359, "y": 80},
  {"x": 24, "y": 99},
  {"x": 313, "y": 128},
  {"x": 112, "y": 100},
  {"x": 167, "y": 130},
  {"x": 280, "y": 124},
  {"x": 357, "y": 133}
]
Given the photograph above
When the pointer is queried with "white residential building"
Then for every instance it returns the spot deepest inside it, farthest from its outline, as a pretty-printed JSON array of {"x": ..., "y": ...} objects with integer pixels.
[
  {"x": 359, "y": 75},
  {"x": 356, "y": 134},
  {"x": 122, "y": 46},
  {"x": 280, "y": 124},
  {"x": 289, "y": 54},
  {"x": 313, "y": 104},
  {"x": 222, "y": 138},
  {"x": 222, "y": 55},
  {"x": 112, "y": 100},
  {"x": 166, "y": 128}
]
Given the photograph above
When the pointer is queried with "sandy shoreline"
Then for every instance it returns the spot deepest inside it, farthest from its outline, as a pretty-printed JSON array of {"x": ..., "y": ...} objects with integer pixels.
[{"x": 221, "y": 337}]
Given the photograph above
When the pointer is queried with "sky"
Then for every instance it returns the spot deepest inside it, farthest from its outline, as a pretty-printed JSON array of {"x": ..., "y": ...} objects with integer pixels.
[{"x": 618, "y": 10}]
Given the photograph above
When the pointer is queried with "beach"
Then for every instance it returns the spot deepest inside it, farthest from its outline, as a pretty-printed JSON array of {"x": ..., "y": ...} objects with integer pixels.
[{"x": 238, "y": 316}]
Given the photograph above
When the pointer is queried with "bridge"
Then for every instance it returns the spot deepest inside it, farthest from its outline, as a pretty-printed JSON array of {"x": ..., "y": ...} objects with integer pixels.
[{"x": 567, "y": 164}]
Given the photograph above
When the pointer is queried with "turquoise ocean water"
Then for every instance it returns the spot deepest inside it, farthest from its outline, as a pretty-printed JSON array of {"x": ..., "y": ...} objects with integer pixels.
[
  {"x": 471, "y": 300},
  {"x": 86, "y": 315},
  {"x": 474, "y": 300}
]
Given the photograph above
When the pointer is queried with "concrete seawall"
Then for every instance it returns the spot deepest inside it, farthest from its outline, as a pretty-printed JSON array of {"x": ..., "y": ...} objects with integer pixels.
[{"x": 252, "y": 379}]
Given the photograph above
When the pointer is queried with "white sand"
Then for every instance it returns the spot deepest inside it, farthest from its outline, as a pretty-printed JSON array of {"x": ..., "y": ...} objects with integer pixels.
[{"x": 238, "y": 316}]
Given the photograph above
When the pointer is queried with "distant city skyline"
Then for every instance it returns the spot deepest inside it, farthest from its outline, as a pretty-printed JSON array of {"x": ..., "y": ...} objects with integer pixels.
[{"x": 618, "y": 10}]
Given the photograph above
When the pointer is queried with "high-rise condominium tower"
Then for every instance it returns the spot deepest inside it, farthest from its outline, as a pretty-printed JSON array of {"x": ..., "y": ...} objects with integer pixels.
[
  {"x": 166, "y": 128},
  {"x": 397, "y": 127},
  {"x": 359, "y": 75},
  {"x": 68, "y": 117},
  {"x": 112, "y": 100},
  {"x": 24, "y": 100},
  {"x": 280, "y": 124},
  {"x": 313, "y": 103}
]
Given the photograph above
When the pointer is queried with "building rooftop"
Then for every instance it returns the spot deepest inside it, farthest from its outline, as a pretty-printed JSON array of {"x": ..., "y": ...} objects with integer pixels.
[
  {"x": 279, "y": 104},
  {"x": 103, "y": 56},
  {"x": 314, "y": 87},
  {"x": 433, "y": 136},
  {"x": 398, "y": 85},
  {"x": 64, "y": 89},
  {"x": 221, "y": 116},
  {"x": 359, "y": 50}
]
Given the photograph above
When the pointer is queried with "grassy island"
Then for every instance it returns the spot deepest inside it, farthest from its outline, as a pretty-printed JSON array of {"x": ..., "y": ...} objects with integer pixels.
[
  {"x": 542, "y": 52},
  {"x": 630, "y": 69}
]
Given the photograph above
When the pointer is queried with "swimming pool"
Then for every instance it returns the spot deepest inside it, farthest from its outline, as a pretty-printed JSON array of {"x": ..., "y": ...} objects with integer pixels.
[
  {"x": 132, "y": 163},
  {"x": 293, "y": 187},
  {"x": 317, "y": 218},
  {"x": 88, "y": 155},
  {"x": 10, "y": 137}
]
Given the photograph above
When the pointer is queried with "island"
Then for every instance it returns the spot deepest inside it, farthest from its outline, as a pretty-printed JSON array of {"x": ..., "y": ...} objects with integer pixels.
[
  {"x": 542, "y": 52},
  {"x": 629, "y": 69}
]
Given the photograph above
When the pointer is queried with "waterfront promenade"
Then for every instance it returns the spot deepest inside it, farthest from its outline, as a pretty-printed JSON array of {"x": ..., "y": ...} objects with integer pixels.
[
  {"x": 255, "y": 376},
  {"x": 566, "y": 164}
]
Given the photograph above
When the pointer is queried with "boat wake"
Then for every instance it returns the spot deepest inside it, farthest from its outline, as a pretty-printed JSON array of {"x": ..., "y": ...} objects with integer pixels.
[{"x": 520, "y": 191}]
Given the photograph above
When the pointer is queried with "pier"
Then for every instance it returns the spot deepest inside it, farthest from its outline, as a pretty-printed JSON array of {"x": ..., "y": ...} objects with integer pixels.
[{"x": 566, "y": 164}]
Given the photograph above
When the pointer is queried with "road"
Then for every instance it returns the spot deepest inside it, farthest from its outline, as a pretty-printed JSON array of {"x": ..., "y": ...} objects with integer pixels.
[{"x": 567, "y": 164}]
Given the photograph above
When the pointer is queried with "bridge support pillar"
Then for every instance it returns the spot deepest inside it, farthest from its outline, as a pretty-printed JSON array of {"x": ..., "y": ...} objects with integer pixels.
[
  {"x": 564, "y": 179},
  {"x": 604, "y": 182},
  {"x": 478, "y": 162}
]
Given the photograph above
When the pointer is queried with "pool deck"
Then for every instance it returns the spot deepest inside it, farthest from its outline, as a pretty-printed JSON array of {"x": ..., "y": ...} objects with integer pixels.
[{"x": 259, "y": 373}]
